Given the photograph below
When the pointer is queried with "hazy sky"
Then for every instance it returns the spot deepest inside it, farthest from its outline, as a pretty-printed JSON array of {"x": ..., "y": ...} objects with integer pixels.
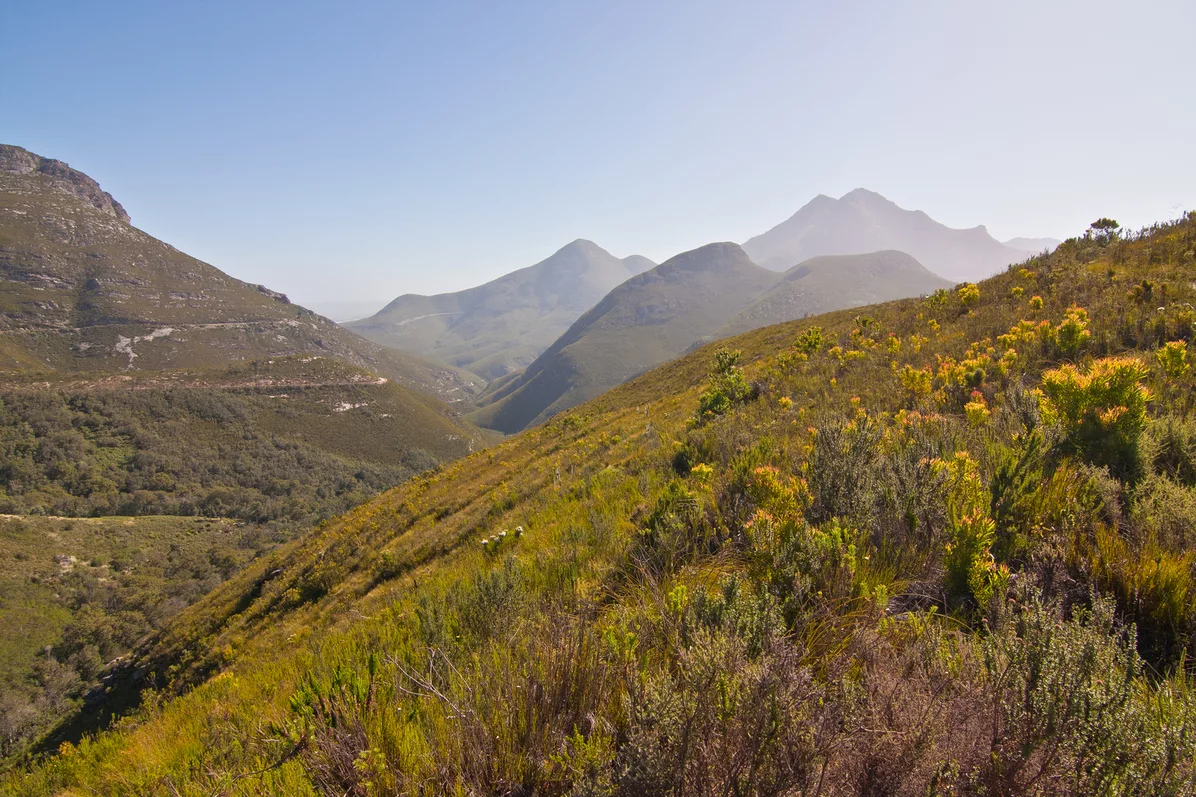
[{"x": 347, "y": 150}]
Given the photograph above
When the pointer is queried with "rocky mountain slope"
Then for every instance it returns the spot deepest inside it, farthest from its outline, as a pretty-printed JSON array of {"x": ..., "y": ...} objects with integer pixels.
[
  {"x": 503, "y": 325},
  {"x": 864, "y": 221},
  {"x": 82, "y": 290}
]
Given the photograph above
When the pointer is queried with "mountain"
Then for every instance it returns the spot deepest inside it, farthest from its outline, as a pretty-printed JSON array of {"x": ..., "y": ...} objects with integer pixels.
[
  {"x": 82, "y": 290},
  {"x": 136, "y": 381},
  {"x": 832, "y": 282},
  {"x": 864, "y": 221},
  {"x": 502, "y": 326},
  {"x": 645, "y": 321},
  {"x": 1034, "y": 246},
  {"x": 883, "y": 571}
]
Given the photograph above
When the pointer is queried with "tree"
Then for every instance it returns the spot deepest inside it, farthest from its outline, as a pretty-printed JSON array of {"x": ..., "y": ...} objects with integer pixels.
[{"x": 1104, "y": 230}]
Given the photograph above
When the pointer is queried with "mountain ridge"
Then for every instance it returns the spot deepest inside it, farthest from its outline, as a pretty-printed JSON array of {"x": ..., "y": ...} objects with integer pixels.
[
  {"x": 502, "y": 325},
  {"x": 864, "y": 221},
  {"x": 683, "y": 298}
]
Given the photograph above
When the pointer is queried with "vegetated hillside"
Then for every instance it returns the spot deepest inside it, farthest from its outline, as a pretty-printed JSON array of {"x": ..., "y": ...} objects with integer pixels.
[
  {"x": 504, "y": 325},
  {"x": 283, "y": 443},
  {"x": 938, "y": 546},
  {"x": 864, "y": 221},
  {"x": 76, "y": 594},
  {"x": 833, "y": 282},
  {"x": 643, "y": 322},
  {"x": 82, "y": 290},
  {"x": 284, "y": 440}
]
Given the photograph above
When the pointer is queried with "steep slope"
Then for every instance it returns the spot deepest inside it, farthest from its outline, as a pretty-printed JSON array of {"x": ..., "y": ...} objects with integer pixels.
[
  {"x": 864, "y": 221},
  {"x": 82, "y": 290},
  {"x": 643, "y": 322},
  {"x": 832, "y": 282},
  {"x": 504, "y": 325},
  {"x": 876, "y": 573}
]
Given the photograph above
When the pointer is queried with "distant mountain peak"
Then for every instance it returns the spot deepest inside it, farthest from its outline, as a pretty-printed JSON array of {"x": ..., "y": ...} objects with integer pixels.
[
  {"x": 864, "y": 194},
  {"x": 19, "y": 160},
  {"x": 864, "y": 221}
]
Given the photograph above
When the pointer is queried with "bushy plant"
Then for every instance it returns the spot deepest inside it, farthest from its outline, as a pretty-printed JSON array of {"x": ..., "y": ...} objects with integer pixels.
[
  {"x": 1173, "y": 357},
  {"x": 973, "y": 576},
  {"x": 810, "y": 342},
  {"x": 1101, "y": 411},
  {"x": 1070, "y": 711},
  {"x": 728, "y": 387}
]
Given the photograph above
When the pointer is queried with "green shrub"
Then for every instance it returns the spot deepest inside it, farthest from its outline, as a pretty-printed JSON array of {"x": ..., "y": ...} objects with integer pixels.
[
  {"x": 1101, "y": 412},
  {"x": 1072, "y": 711},
  {"x": 728, "y": 387},
  {"x": 1170, "y": 449}
]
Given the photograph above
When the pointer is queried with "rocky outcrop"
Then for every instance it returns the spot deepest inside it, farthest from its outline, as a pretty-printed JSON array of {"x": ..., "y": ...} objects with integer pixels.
[{"x": 22, "y": 161}]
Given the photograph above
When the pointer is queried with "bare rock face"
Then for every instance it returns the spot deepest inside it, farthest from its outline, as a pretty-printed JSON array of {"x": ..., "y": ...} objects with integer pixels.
[{"x": 21, "y": 161}]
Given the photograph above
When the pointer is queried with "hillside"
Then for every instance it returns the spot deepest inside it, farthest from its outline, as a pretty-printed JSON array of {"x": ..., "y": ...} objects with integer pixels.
[
  {"x": 864, "y": 221},
  {"x": 833, "y": 282},
  {"x": 939, "y": 546},
  {"x": 82, "y": 290},
  {"x": 502, "y": 326},
  {"x": 77, "y": 593},
  {"x": 645, "y": 321},
  {"x": 136, "y": 381}
]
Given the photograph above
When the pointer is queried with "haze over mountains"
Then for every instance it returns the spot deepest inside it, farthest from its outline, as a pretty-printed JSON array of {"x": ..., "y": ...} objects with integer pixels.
[
  {"x": 864, "y": 221},
  {"x": 645, "y": 321},
  {"x": 505, "y": 324},
  {"x": 833, "y": 282},
  {"x": 835, "y": 253}
]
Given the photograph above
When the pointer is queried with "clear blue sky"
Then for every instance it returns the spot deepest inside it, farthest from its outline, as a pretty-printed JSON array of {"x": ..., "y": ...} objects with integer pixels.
[{"x": 360, "y": 150}]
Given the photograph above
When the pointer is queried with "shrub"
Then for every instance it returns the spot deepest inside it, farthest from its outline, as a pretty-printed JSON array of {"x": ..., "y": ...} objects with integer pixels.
[
  {"x": 969, "y": 294},
  {"x": 728, "y": 387},
  {"x": 1072, "y": 332},
  {"x": 1101, "y": 412},
  {"x": 1067, "y": 712},
  {"x": 810, "y": 342},
  {"x": 1170, "y": 449},
  {"x": 972, "y": 575},
  {"x": 1173, "y": 357}
]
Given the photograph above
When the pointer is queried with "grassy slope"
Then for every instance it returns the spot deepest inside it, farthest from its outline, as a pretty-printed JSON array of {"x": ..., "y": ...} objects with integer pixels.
[{"x": 375, "y": 590}]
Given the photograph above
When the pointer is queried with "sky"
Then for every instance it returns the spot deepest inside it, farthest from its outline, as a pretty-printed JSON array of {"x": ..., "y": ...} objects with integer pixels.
[{"x": 354, "y": 151}]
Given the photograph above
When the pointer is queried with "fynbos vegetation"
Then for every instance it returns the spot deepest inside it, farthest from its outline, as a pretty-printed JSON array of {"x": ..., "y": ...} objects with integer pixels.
[{"x": 940, "y": 546}]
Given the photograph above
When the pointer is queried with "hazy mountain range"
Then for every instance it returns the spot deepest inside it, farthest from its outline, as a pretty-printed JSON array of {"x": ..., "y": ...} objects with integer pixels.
[
  {"x": 645, "y": 321},
  {"x": 864, "y": 221},
  {"x": 708, "y": 293},
  {"x": 85, "y": 291},
  {"x": 505, "y": 324}
]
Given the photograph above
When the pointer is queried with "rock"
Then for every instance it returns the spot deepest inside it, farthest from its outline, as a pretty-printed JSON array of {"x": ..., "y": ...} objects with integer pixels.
[{"x": 22, "y": 161}]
